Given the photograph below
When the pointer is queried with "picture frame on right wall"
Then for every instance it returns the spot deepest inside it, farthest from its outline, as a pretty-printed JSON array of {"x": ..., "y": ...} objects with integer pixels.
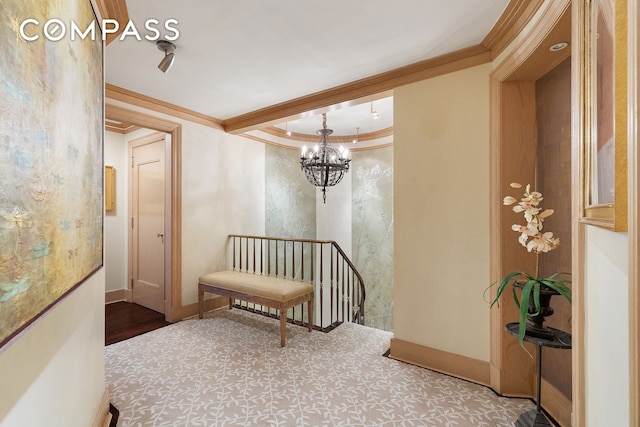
[{"x": 603, "y": 72}]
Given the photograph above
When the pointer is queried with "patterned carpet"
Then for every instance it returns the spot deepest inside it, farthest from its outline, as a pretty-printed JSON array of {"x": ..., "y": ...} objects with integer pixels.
[{"x": 229, "y": 370}]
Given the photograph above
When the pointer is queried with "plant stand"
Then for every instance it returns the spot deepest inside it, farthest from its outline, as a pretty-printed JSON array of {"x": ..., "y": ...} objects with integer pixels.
[
  {"x": 535, "y": 327},
  {"x": 560, "y": 339}
]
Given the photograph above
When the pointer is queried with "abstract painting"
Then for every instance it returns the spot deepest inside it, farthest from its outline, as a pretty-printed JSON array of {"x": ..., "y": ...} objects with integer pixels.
[{"x": 51, "y": 161}]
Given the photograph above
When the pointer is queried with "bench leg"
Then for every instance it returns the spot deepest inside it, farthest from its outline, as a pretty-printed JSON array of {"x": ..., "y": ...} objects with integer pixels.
[
  {"x": 200, "y": 302},
  {"x": 230, "y": 303},
  {"x": 283, "y": 325},
  {"x": 310, "y": 305}
]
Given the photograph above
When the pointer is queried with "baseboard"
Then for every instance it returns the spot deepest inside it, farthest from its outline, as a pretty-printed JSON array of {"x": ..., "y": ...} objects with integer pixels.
[
  {"x": 553, "y": 401},
  {"x": 442, "y": 361},
  {"x": 556, "y": 404},
  {"x": 103, "y": 416},
  {"x": 114, "y": 296},
  {"x": 213, "y": 303}
]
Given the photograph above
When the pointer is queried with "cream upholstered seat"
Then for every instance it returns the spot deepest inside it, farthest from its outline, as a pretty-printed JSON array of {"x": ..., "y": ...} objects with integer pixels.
[
  {"x": 276, "y": 292},
  {"x": 274, "y": 288}
]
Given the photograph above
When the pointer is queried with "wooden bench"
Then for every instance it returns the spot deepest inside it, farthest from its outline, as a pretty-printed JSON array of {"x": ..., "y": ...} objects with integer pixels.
[{"x": 274, "y": 292}]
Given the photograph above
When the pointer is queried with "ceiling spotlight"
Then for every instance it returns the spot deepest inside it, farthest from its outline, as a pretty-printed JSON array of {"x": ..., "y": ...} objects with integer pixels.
[
  {"x": 286, "y": 128},
  {"x": 169, "y": 54},
  {"x": 355, "y": 141},
  {"x": 374, "y": 114}
]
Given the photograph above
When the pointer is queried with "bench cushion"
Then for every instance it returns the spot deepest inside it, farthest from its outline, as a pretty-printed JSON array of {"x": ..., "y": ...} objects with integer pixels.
[{"x": 274, "y": 288}]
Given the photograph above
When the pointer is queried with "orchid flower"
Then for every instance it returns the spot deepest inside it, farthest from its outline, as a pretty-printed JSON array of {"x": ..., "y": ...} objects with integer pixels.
[
  {"x": 530, "y": 234},
  {"x": 543, "y": 243},
  {"x": 532, "y": 197},
  {"x": 525, "y": 231}
]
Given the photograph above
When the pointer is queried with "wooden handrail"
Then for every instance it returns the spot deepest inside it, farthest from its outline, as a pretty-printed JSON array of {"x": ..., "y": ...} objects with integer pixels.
[{"x": 282, "y": 239}]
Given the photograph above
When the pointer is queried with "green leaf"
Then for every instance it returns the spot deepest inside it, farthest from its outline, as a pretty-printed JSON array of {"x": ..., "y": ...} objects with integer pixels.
[
  {"x": 524, "y": 308},
  {"x": 536, "y": 297},
  {"x": 503, "y": 285}
]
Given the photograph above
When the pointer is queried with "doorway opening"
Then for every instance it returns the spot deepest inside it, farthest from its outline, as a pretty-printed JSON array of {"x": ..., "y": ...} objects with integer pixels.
[
  {"x": 170, "y": 239},
  {"x": 531, "y": 144}
]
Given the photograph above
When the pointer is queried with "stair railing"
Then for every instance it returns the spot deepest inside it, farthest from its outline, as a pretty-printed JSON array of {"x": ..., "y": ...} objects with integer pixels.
[{"x": 339, "y": 288}]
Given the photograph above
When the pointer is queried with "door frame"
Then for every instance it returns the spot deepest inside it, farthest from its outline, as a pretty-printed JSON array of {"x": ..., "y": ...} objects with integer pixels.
[
  {"x": 173, "y": 263},
  {"x": 634, "y": 211}
]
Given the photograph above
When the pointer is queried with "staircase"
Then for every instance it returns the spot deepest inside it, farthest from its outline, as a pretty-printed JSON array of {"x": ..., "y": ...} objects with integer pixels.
[{"x": 339, "y": 288}]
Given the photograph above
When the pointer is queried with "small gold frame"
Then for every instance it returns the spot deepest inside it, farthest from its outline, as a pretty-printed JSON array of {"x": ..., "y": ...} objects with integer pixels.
[{"x": 109, "y": 188}]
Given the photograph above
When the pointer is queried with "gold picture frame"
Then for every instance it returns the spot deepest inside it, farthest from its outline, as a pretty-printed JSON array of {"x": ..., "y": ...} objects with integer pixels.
[
  {"x": 109, "y": 189},
  {"x": 603, "y": 70}
]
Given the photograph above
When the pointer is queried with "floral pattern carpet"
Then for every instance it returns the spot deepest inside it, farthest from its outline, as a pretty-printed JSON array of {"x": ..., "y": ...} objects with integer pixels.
[{"x": 229, "y": 370}]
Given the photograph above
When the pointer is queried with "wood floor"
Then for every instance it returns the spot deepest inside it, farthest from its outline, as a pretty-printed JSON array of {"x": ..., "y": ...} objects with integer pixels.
[{"x": 124, "y": 320}]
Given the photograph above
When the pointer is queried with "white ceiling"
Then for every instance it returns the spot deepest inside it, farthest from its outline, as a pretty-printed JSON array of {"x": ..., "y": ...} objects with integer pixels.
[{"x": 237, "y": 56}]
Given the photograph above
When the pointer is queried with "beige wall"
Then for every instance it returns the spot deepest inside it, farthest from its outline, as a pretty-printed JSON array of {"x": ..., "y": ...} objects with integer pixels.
[
  {"x": 54, "y": 374},
  {"x": 223, "y": 190},
  {"x": 441, "y": 208}
]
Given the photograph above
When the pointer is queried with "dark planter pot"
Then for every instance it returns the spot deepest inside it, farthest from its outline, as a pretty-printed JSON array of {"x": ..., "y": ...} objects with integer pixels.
[{"x": 535, "y": 322}]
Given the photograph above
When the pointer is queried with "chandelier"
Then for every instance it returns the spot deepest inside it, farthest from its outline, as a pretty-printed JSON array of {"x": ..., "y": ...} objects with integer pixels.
[{"x": 324, "y": 166}]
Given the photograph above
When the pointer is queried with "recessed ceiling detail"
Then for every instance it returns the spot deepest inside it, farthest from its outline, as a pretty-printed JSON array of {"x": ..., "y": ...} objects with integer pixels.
[{"x": 345, "y": 119}]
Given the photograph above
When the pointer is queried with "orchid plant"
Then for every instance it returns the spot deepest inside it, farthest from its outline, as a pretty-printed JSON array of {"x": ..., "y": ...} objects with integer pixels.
[{"x": 532, "y": 238}]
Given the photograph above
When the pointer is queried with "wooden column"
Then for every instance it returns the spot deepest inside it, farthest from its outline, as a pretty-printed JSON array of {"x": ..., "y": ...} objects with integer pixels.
[{"x": 513, "y": 155}]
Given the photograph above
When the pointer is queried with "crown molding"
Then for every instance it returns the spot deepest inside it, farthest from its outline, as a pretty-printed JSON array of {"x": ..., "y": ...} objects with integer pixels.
[
  {"x": 114, "y": 9},
  {"x": 343, "y": 139},
  {"x": 293, "y": 147},
  {"x": 444, "y": 64},
  {"x": 133, "y": 98},
  {"x": 266, "y": 141},
  {"x": 512, "y": 21},
  {"x": 524, "y": 63},
  {"x": 121, "y": 114},
  {"x": 118, "y": 128}
]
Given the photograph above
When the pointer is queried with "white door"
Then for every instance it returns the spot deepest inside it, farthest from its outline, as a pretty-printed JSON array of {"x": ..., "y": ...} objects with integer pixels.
[{"x": 148, "y": 223}]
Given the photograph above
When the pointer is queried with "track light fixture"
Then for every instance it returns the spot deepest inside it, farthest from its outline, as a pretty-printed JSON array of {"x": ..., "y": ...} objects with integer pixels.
[
  {"x": 169, "y": 54},
  {"x": 374, "y": 114}
]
